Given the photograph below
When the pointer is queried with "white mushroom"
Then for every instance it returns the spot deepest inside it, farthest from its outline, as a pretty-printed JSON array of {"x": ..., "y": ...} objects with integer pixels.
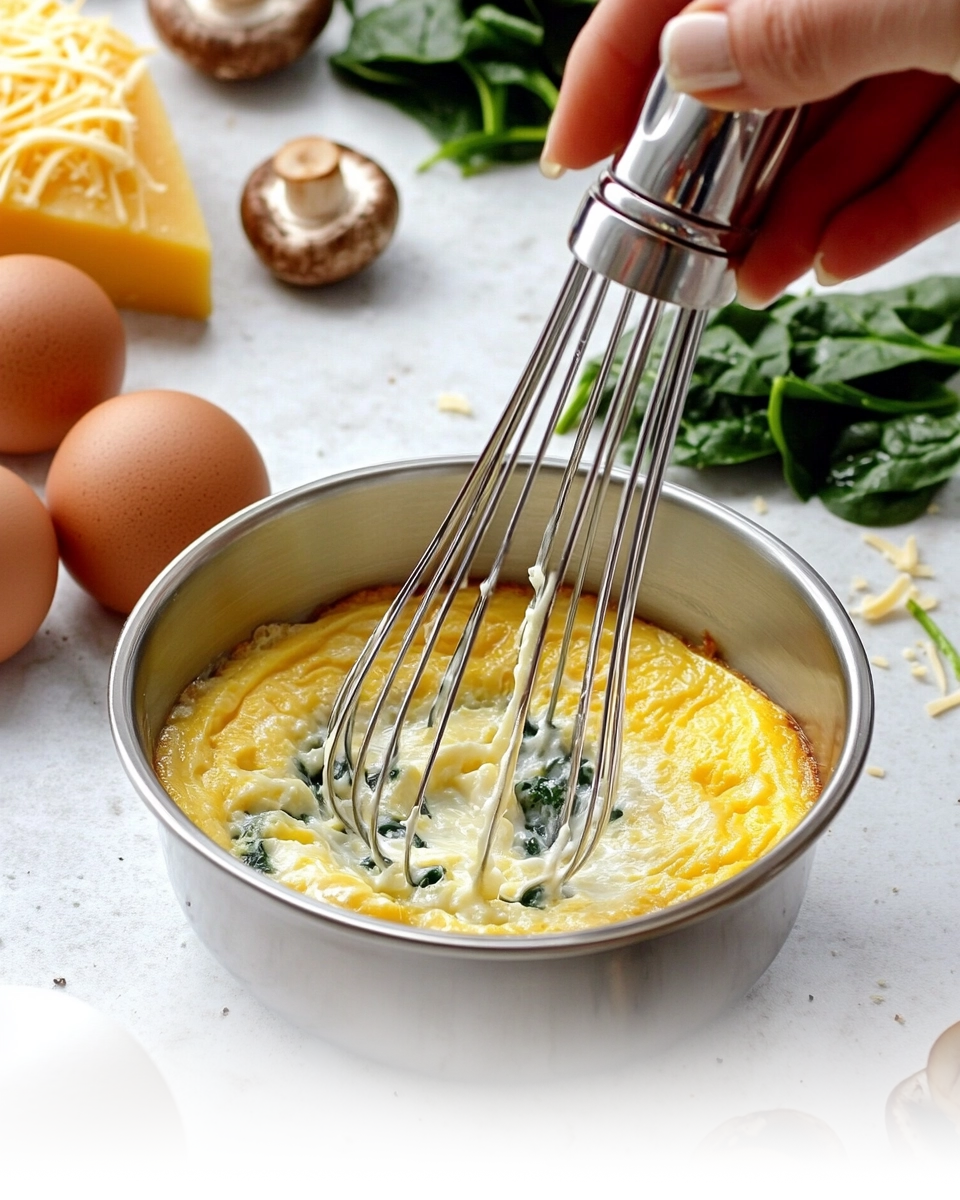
[
  {"x": 745, "y": 1164},
  {"x": 943, "y": 1073},
  {"x": 318, "y": 212},
  {"x": 239, "y": 39},
  {"x": 923, "y": 1114},
  {"x": 797, "y": 1138}
]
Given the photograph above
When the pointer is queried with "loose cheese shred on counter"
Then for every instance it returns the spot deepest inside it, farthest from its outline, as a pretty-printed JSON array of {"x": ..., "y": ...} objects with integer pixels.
[
  {"x": 943, "y": 704},
  {"x": 878, "y": 660},
  {"x": 936, "y": 666},
  {"x": 873, "y": 608},
  {"x": 454, "y": 402},
  {"x": 876, "y": 772},
  {"x": 904, "y": 558},
  {"x": 65, "y": 120},
  {"x": 760, "y": 506},
  {"x": 909, "y": 653},
  {"x": 919, "y": 671}
]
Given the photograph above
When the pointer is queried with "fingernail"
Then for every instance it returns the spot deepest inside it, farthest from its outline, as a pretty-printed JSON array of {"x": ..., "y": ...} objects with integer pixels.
[
  {"x": 550, "y": 169},
  {"x": 696, "y": 55},
  {"x": 824, "y": 278}
]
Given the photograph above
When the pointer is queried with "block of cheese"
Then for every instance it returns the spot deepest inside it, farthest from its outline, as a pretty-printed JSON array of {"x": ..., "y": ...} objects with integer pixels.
[{"x": 89, "y": 169}]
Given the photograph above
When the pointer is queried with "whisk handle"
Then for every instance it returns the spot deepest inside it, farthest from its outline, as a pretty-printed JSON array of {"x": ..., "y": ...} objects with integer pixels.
[{"x": 681, "y": 202}]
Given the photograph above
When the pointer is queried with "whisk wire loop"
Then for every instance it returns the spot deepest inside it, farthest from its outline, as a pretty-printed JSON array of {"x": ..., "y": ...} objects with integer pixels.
[
  {"x": 657, "y": 435},
  {"x": 662, "y": 222}
]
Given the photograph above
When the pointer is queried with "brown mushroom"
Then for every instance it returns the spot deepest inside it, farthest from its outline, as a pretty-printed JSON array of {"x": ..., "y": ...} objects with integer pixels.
[
  {"x": 923, "y": 1110},
  {"x": 796, "y": 1135},
  {"x": 317, "y": 211},
  {"x": 239, "y": 39}
]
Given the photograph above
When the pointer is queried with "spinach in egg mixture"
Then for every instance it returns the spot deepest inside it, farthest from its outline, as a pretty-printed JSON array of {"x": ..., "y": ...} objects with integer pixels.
[{"x": 713, "y": 774}]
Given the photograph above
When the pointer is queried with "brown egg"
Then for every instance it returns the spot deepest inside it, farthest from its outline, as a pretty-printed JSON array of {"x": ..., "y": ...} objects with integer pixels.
[
  {"x": 62, "y": 350},
  {"x": 28, "y": 563},
  {"x": 137, "y": 479}
]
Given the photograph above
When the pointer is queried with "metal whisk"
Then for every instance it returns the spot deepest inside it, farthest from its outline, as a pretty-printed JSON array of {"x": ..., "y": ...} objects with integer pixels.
[{"x": 663, "y": 223}]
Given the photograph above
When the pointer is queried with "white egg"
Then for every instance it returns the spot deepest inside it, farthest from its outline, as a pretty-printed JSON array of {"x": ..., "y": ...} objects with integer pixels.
[{"x": 81, "y": 1101}]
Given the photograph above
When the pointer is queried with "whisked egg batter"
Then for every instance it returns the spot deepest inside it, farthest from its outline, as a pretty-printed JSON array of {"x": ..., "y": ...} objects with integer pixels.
[{"x": 713, "y": 773}]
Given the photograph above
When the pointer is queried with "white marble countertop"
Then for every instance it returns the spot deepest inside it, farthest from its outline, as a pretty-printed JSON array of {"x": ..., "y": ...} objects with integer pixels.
[{"x": 335, "y": 379}]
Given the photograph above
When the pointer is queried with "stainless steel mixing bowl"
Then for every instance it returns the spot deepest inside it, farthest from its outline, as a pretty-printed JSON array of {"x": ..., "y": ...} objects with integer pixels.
[{"x": 452, "y": 1003}]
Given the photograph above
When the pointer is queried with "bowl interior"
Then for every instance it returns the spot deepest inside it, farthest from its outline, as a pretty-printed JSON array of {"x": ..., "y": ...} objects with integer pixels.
[{"x": 708, "y": 570}]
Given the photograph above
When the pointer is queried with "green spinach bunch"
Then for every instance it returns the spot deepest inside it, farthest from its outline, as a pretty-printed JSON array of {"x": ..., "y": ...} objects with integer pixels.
[
  {"x": 852, "y": 391},
  {"x": 481, "y": 77}
]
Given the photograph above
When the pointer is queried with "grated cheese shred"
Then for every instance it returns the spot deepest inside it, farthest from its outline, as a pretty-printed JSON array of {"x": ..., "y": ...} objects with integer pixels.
[
  {"x": 905, "y": 558},
  {"x": 65, "y": 119},
  {"x": 874, "y": 608},
  {"x": 937, "y": 666},
  {"x": 942, "y": 704}
]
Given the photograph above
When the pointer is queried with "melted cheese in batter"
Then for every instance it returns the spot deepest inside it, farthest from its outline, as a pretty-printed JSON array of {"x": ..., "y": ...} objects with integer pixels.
[{"x": 713, "y": 773}]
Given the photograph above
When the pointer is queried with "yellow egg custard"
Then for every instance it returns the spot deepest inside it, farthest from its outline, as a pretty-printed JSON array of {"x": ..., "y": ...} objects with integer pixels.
[{"x": 713, "y": 773}]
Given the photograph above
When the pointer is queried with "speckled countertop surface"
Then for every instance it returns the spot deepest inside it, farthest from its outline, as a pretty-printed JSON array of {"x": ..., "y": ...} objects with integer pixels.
[{"x": 341, "y": 378}]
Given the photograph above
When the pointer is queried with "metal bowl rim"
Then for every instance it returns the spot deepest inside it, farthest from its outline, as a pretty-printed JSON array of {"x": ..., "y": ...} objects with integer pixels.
[{"x": 843, "y": 636}]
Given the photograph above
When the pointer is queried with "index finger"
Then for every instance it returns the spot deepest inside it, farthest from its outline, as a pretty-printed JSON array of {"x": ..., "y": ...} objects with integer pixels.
[{"x": 608, "y": 71}]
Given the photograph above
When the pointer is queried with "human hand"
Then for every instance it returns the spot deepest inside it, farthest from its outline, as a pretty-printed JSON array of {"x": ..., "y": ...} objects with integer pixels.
[{"x": 877, "y": 164}]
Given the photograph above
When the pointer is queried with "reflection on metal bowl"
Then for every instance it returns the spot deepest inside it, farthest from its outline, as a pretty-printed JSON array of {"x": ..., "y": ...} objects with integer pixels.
[{"x": 457, "y": 1003}]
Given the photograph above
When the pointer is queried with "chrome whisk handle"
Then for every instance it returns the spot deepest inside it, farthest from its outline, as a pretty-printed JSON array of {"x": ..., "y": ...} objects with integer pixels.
[{"x": 682, "y": 200}]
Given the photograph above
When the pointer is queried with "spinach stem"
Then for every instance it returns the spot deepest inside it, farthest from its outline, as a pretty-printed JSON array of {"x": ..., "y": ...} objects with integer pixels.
[
  {"x": 472, "y": 143},
  {"x": 377, "y": 76},
  {"x": 937, "y": 636},
  {"x": 492, "y": 119}
]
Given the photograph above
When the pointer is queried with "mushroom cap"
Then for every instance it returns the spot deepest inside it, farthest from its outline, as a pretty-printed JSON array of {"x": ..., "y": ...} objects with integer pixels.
[
  {"x": 797, "y": 1134},
  {"x": 312, "y": 253},
  {"x": 923, "y": 1139},
  {"x": 237, "y": 40},
  {"x": 744, "y": 1164},
  {"x": 943, "y": 1073}
]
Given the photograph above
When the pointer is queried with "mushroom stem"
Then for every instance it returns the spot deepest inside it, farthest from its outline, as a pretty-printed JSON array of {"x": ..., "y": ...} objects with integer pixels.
[
  {"x": 745, "y": 1164},
  {"x": 310, "y": 170}
]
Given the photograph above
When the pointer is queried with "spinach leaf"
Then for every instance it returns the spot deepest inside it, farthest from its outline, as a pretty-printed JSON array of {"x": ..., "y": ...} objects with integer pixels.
[
  {"x": 541, "y": 798},
  {"x": 248, "y": 843},
  {"x": 828, "y": 449},
  {"x": 724, "y": 420},
  {"x": 853, "y": 391},
  {"x": 840, "y": 337},
  {"x": 482, "y": 78},
  {"x": 885, "y": 472},
  {"x": 742, "y": 436},
  {"x": 418, "y": 31}
]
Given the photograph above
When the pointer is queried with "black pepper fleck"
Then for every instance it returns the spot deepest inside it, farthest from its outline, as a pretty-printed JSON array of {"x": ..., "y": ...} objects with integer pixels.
[{"x": 60, "y": 981}]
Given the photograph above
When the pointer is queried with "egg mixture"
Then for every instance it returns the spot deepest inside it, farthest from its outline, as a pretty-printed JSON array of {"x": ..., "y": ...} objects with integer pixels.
[{"x": 713, "y": 773}]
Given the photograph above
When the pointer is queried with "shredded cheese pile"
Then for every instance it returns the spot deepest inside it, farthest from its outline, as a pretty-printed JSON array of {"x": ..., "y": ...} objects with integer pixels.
[{"x": 65, "y": 84}]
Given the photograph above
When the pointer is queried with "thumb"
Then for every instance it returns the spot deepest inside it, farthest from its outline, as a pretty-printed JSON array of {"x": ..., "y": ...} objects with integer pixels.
[{"x": 736, "y": 54}]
